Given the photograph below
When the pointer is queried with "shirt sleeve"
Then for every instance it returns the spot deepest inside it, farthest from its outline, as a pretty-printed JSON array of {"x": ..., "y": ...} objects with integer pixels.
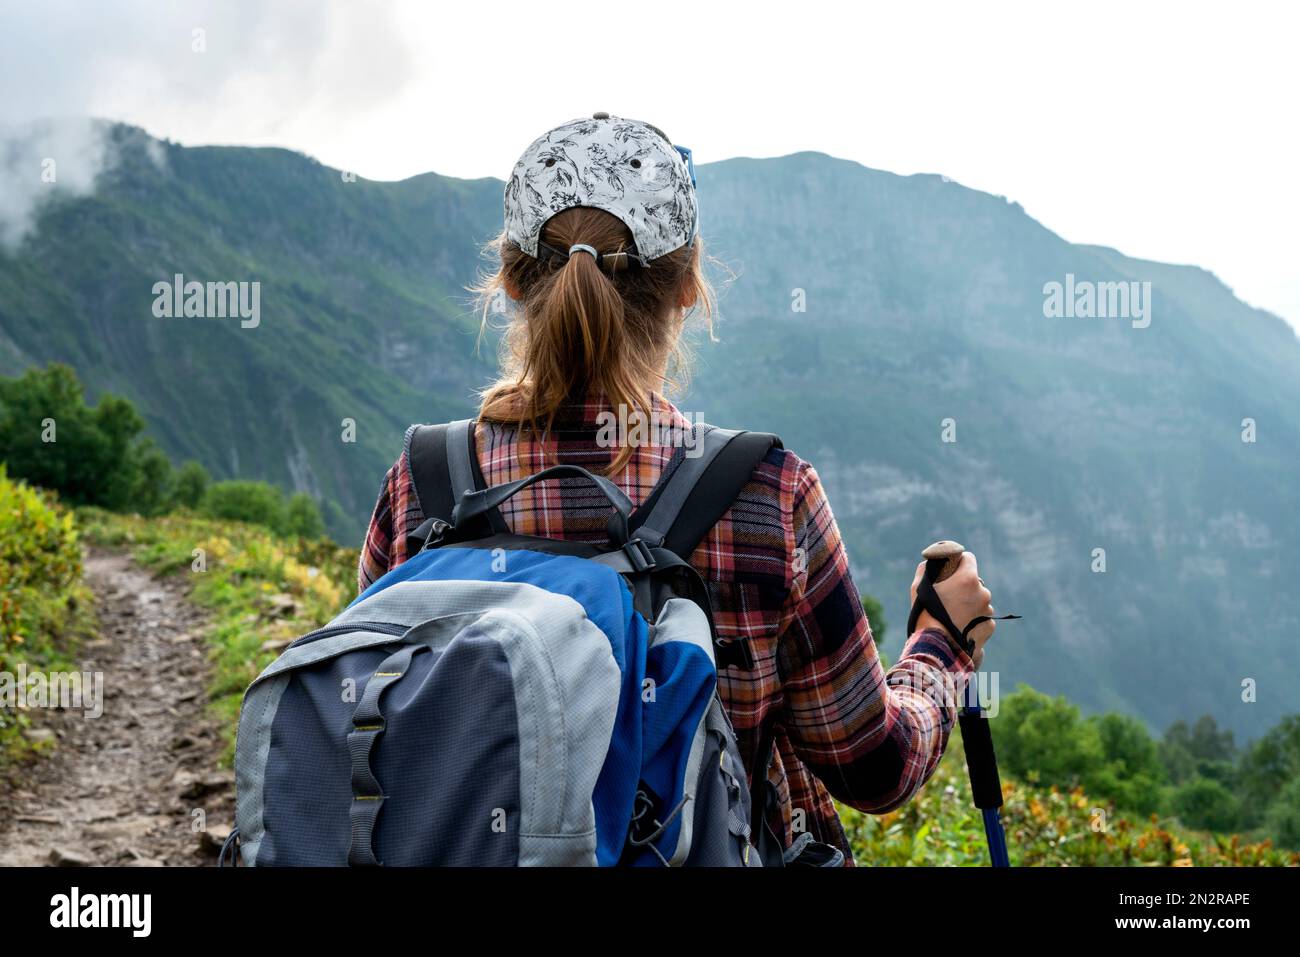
[
  {"x": 873, "y": 738},
  {"x": 377, "y": 553}
]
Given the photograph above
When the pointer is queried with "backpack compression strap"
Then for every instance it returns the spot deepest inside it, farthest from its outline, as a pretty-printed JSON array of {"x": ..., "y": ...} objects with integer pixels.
[{"x": 444, "y": 465}]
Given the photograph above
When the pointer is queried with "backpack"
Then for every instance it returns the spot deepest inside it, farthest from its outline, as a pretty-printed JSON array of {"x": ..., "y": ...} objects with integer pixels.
[{"x": 503, "y": 699}]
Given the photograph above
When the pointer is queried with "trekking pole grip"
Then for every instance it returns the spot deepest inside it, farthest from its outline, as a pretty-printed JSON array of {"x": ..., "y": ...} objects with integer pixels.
[{"x": 943, "y": 559}]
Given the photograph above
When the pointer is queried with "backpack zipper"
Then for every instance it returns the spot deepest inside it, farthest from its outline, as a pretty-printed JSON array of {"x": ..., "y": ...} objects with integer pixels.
[{"x": 376, "y": 626}]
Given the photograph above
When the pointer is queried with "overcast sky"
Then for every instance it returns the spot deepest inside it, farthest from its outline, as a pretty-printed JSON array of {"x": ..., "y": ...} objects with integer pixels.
[{"x": 1166, "y": 130}]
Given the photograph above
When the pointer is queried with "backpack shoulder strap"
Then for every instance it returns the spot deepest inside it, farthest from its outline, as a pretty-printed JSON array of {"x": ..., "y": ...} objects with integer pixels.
[
  {"x": 426, "y": 452},
  {"x": 444, "y": 465},
  {"x": 702, "y": 487}
]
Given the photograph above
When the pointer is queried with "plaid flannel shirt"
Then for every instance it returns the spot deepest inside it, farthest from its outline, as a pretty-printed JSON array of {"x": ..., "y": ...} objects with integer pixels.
[{"x": 778, "y": 576}]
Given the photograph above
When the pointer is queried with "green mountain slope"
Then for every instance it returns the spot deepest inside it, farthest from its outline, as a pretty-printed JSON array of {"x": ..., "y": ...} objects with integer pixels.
[
  {"x": 363, "y": 314},
  {"x": 924, "y": 302}
]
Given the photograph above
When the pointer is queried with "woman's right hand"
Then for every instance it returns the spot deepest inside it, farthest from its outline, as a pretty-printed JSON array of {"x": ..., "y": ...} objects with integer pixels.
[{"x": 964, "y": 595}]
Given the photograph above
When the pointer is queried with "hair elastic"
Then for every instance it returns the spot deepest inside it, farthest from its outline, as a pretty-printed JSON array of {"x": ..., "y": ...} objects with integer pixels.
[{"x": 585, "y": 248}]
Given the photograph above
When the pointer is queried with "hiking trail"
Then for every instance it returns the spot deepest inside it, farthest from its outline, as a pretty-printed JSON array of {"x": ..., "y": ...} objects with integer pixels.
[{"x": 123, "y": 788}]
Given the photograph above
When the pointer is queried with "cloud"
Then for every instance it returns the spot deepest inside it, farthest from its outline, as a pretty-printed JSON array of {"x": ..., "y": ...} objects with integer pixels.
[
  {"x": 201, "y": 63},
  {"x": 43, "y": 159},
  {"x": 56, "y": 158},
  {"x": 236, "y": 71}
]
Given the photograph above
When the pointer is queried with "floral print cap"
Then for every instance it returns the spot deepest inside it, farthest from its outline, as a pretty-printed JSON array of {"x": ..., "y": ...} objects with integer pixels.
[{"x": 625, "y": 167}]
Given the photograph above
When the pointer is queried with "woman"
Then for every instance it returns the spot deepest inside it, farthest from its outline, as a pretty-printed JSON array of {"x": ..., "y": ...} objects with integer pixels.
[{"x": 602, "y": 258}]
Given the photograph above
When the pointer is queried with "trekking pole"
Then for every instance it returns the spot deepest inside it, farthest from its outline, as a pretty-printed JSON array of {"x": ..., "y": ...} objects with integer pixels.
[{"x": 941, "y": 560}]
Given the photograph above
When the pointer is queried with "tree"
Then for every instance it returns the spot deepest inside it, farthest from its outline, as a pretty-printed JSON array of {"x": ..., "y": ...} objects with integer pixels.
[
  {"x": 191, "y": 482},
  {"x": 1044, "y": 738},
  {"x": 50, "y": 437},
  {"x": 153, "y": 479},
  {"x": 1266, "y": 768},
  {"x": 1131, "y": 773},
  {"x": 1206, "y": 804},
  {"x": 98, "y": 455},
  {"x": 1282, "y": 819},
  {"x": 303, "y": 518},
  {"x": 1199, "y": 750}
]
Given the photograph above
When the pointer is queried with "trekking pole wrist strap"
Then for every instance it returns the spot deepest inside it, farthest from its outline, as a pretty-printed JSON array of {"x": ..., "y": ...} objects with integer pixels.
[{"x": 927, "y": 599}]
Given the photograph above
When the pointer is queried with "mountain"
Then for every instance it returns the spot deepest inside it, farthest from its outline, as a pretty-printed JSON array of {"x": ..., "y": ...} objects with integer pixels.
[
  {"x": 874, "y": 309},
  {"x": 362, "y": 312}
]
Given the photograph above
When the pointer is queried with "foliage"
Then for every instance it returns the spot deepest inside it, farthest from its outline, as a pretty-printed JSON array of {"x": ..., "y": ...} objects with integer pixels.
[
  {"x": 1206, "y": 803},
  {"x": 191, "y": 482},
  {"x": 302, "y": 517},
  {"x": 1046, "y": 827},
  {"x": 50, "y": 437},
  {"x": 1130, "y": 772},
  {"x": 1194, "y": 774},
  {"x": 263, "y": 504},
  {"x": 1044, "y": 738},
  {"x": 255, "y": 502},
  {"x": 1282, "y": 815},
  {"x": 44, "y": 606},
  {"x": 1197, "y": 749},
  {"x": 1268, "y": 773}
]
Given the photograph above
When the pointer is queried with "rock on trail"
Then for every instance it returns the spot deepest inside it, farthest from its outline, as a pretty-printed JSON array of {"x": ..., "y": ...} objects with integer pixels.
[{"x": 123, "y": 788}]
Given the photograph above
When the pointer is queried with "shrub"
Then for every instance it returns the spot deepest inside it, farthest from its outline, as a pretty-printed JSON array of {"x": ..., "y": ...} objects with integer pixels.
[
  {"x": 1206, "y": 804},
  {"x": 1046, "y": 827},
  {"x": 1266, "y": 776},
  {"x": 154, "y": 481},
  {"x": 190, "y": 484},
  {"x": 44, "y": 607},
  {"x": 255, "y": 502},
  {"x": 302, "y": 517},
  {"x": 260, "y": 503}
]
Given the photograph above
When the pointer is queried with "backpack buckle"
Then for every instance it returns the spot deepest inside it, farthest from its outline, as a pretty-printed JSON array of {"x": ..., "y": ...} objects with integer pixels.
[
  {"x": 430, "y": 533},
  {"x": 639, "y": 554}
]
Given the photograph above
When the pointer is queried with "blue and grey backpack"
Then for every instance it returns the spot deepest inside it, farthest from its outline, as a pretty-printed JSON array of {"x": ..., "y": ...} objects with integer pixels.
[{"x": 504, "y": 700}]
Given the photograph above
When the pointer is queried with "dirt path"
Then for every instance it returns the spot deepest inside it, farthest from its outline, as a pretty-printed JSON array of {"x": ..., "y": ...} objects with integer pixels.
[{"x": 123, "y": 788}]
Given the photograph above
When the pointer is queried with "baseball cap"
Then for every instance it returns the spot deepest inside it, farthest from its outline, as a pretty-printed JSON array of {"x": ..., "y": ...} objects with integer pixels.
[{"x": 625, "y": 167}]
